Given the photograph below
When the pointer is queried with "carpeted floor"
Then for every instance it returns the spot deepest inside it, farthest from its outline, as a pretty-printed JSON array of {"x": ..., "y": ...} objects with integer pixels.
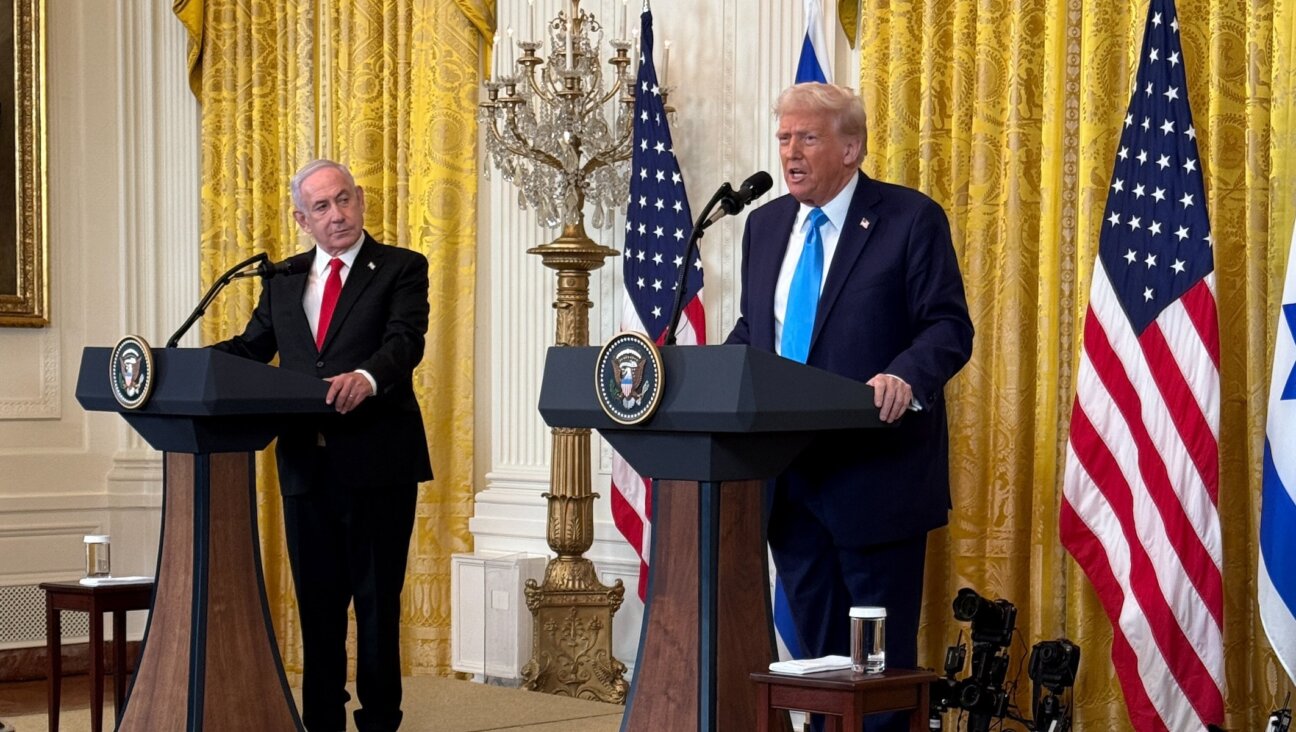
[{"x": 432, "y": 703}]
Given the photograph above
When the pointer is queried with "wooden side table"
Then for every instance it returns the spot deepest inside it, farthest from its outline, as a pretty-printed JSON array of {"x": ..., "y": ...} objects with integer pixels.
[
  {"x": 844, "y": 696},
  {"x": 117, "y": 599}
]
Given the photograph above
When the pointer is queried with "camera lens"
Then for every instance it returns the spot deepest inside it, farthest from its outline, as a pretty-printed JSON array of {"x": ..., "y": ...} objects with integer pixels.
[{"x": 967, "y": 604}]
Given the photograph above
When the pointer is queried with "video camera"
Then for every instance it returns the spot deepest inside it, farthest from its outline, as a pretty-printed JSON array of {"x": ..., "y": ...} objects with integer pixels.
[
  {"x": 982, "y": 694},
  {"x": 993, "y": 623},
  {"x": 1053, "y": 666}
]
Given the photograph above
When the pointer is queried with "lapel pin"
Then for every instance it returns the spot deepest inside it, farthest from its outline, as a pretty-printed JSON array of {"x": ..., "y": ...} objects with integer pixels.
[
  {"x": 371, "y": 266},
  {"x": 864, "y": 223}
]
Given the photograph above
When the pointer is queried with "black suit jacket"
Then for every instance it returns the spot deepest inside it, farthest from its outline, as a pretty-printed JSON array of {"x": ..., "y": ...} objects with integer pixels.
[
  {"x": 892, "y": 303},
  {"x": 378, "y": 326}
]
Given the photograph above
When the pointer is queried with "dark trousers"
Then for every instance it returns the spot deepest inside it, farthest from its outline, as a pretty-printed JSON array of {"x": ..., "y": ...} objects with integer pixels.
[
  {"x": 823, "y": 581},
  {"x": 348, "y": 543}
]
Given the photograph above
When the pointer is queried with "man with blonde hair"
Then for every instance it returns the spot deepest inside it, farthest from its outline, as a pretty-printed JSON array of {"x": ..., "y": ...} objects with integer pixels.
[{"x": 860, "y": 278}]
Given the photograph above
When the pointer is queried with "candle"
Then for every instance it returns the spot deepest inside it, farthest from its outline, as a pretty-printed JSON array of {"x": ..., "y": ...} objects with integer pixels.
[
  {"x": 571, "y": 31},
  {"x": 531, "y": 21},
  {"x": 495, "y": 57},
  {"x": 624, "y": 12},
  {"x": 509, "y": 44},
  {"x": 666, "y": 65}
]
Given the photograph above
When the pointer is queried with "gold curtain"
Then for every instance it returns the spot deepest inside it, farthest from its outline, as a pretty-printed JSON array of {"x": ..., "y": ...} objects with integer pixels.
[
  {"x": 387, "y": 87},
  {"x": 1009, "y": 115}
]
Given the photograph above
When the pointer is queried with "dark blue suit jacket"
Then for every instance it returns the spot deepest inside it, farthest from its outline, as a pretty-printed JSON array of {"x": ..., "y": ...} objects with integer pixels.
[
  {"x": 378, "y": 326},
  {"x": 892, "y": 303}
]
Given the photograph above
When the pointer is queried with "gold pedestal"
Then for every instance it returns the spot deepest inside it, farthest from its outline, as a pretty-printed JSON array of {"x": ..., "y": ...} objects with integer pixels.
[{"x": 571, "y": 610}]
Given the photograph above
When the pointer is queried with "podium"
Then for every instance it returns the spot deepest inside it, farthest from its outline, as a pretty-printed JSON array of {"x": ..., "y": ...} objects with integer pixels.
[
  {"x": 730, "y": 418},
  {"x": 209, "y": 657}
]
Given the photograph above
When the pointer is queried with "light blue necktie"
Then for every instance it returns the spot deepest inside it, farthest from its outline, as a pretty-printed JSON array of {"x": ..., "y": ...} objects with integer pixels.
[{"x": 803, "y": 296}]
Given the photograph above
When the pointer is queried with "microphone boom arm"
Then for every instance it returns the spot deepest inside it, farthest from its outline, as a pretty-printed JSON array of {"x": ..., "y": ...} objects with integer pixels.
[
  {"x": 216, "y": 287},
  {"x": 698, "y": 227}
]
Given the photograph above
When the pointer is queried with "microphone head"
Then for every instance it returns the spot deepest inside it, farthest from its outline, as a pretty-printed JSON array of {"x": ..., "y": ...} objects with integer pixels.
[
  {"x": 286, "y": 267},
  {"x": 757, "y": 184}
]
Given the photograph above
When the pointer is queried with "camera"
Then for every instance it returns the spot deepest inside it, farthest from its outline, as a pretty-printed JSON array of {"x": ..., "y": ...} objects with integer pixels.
[
  {"x": 992, "y": 622},
  {"x": 1053, "y": 664},
  {"x": 982, "y": 694}
]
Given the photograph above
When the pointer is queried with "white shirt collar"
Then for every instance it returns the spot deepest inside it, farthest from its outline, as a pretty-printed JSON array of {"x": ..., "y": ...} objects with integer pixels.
[
  {"x": 348, "y": 256},
  {"x": 835, "y": 210}
]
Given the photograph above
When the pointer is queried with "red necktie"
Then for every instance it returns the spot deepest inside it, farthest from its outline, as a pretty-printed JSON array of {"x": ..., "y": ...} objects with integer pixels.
[{"x": 332, "y": 287}]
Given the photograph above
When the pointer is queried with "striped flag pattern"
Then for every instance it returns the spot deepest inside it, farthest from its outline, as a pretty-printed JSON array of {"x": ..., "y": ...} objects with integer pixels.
[
  {"x": 813, "y": 64},
  {"x": 1141, "y": 482},
  {"x": 1276, "y": 578},
  {"x": 658, "y": 226}
]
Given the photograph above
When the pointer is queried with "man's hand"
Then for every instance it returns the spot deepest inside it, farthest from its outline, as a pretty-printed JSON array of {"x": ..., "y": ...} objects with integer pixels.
[
  {"x": 346, "y": 391},
  {"x": 891, "y": 395}
]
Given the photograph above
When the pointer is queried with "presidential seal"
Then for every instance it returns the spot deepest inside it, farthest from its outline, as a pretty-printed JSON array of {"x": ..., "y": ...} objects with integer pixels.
[
  {"x": 130, "y": 372},
  {"x": 628, "y": 378}
]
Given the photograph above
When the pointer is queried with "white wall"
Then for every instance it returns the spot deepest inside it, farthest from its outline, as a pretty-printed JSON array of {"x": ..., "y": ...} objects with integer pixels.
[
  {"x": 729, "y": 60},
  {"x": 123, "y": 234}
]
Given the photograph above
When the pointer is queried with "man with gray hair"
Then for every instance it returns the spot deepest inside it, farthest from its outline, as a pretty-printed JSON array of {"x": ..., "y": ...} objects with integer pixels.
[
  {"x": 860, "y": 278},
  {"x": 354, "y": 313}
]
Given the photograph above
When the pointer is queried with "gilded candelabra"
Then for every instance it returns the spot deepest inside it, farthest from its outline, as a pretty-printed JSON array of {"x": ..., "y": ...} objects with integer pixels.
[{"x": 548, "y": 131}]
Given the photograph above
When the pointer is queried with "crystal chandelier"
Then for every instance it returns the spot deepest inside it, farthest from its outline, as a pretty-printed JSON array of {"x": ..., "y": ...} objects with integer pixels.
[
  {"x": 551, "y": 127},
  {"x": 556, "y": 133}
]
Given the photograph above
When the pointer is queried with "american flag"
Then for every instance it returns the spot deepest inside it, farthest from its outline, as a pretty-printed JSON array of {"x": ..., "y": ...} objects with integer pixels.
[
  {"x": 1142, "y": 470},
  {"x": 658, "y": 226}
]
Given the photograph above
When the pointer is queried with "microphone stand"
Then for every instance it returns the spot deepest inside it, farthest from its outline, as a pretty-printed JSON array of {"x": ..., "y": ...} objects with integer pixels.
[
  {"x": 216, "y": 287},
  {"x": 689, "y": 250}
]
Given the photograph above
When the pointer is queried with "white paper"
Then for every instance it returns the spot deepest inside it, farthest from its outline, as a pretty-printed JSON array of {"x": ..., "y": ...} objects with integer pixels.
[
  {"x": 101, "y": 581},
  {"x": 811, "y": 665}
]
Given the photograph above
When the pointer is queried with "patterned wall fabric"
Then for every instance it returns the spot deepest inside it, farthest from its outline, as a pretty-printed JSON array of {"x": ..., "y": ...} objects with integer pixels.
[
  {"x": 388, "y": 87},
  {"x": 1009, "y": 114}
]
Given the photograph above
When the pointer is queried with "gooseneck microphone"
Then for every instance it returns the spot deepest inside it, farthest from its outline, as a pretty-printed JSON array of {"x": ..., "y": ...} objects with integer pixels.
[
  {"x": 267, "y": 269},
  {"x": 730, "y": 202},
  {"x": 264, "y": 269}
]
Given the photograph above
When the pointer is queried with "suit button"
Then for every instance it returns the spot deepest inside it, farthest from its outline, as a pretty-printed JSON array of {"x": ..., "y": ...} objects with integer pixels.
[{"x": 319, "y": 364}]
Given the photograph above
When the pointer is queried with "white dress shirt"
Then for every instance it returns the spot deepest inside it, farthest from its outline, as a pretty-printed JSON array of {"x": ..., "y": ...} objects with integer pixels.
[
  {"x": 830, "y": 231},
  {"x": 313, "y": 299},
  {"x": 318, "y": 275}
]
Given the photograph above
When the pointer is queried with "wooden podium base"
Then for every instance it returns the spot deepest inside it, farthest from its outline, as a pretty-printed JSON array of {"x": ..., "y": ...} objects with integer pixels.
[
  {"x": 707, "y": 623},
  {"x": 210, "y": 659}
]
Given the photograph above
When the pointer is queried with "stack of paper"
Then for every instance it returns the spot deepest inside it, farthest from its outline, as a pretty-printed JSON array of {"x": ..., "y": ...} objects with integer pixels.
[
  {"x": 811, "y": 665},
  {"x": 101, "y": 581}
]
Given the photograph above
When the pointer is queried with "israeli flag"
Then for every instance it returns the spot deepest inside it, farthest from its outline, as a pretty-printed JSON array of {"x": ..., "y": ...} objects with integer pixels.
[
  {"x": 813, "y": 64},
  {"x": 1277, "y": 571}
]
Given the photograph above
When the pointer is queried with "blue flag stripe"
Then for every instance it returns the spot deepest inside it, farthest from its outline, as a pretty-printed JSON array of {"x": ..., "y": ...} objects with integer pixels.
[
  {"x": 808, "y": 65},
  {"x": 783, "y": 621},
  {"x": 1278, "y": 533}
]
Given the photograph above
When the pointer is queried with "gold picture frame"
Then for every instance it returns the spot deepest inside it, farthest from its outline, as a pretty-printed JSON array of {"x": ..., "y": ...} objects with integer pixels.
[{"x": 24, "y": 255}]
